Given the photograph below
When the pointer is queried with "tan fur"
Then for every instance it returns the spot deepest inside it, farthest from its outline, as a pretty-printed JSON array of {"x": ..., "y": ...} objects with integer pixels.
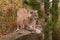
[
  {"x": 26, "y": 19},
  {"x": 22, "y": 14}
]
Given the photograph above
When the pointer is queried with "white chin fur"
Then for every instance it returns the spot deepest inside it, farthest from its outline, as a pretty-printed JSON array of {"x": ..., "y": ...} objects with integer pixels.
[{"x": 37, "y": 31}]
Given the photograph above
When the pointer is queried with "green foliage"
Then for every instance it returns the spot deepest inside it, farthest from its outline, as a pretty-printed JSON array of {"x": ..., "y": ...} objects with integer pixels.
[
  {"x": 34, "y": 5},
  {"x": 54, "y": 18},
  {"x": 40, "y": 14},
  {"x": 47, "y": 28}
]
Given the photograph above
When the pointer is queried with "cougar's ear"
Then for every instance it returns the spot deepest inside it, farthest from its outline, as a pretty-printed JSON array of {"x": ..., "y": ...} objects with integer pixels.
[{"x": 31, "y": 12}]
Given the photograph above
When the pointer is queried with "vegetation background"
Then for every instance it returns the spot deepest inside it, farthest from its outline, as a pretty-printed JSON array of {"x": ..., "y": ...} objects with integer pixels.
[{"x": 8, "y": 15}]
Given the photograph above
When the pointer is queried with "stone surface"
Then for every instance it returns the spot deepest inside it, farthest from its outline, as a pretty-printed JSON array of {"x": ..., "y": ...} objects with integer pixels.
[{"x": 21, "y": 35}]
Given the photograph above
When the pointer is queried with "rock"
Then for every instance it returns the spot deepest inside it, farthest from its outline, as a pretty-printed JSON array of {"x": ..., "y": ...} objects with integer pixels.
[{"x": 31, "y": 36}]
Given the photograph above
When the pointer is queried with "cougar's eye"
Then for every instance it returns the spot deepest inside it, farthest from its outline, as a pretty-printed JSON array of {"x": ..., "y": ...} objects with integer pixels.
[
  {"x": 35, "y": 15},
  {"x": 31, "y": 13}
]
